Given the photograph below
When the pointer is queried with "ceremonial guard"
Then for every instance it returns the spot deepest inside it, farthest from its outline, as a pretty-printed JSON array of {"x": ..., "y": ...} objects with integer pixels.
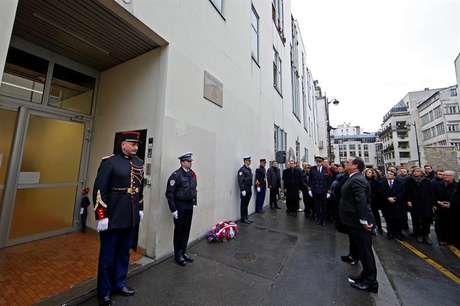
[
  {"x": 118, "y": 201},
  {"x": 245, "y": 184},
  {"x": 181, "y": 194}
]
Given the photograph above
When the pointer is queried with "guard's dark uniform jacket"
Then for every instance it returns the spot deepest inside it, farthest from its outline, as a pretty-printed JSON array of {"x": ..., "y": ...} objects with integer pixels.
[
  {"x": 261, "y": 174},
  {"x": 245, "y": 178},
  {"x": 181, "y": 190},
  {"x": 118, "y": 189}
]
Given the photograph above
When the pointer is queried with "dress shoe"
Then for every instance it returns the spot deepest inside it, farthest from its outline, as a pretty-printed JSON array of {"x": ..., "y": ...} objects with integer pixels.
[
  {"x": 125, "y": 291},
  {"x": 366, "y": 286},
  {"x": 349, "y": 259},
  {"x": 181, "y": 261},
  {"x": 188, "y": 258},
  {"x": 354, "y": 279},
  {"x": 105, "y": 301},
  {"x": 250, "y": 220},
  {"x": 245, "y": 221}
]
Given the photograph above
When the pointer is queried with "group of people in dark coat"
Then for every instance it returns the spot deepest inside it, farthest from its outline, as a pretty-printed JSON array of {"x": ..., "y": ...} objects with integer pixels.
[{"x": 427, "y": 195}]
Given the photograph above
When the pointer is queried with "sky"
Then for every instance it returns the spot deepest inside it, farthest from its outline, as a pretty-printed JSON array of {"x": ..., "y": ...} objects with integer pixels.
[{"x": 369, "y": 53}]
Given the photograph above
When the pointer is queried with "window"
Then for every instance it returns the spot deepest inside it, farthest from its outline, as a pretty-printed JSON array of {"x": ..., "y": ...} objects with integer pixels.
[
  {"x": 71, "y": 90},
  {"x": 453, "y": 92},
  {"x": 452, "y": 109},
  {"x": 437, "y": 113},
  {"x": 278, "y": 16},
  {"x": 404, "y": 154},
  {"x": 297, "y": 151},
  {"x": 440, "y": 129},
  {"x": 453, "y": 127},
  {"x": 254, "y": 34},
  {"x": 425, "y": 119},
  {"x": 352, "y": 147},
  {"x": 280, "y": 139},
  {"x": 366, "y": 147},
  {"x": 305, "y": 156},
  {"x": 352, "y": 153},
  {"x": 219, "y": 6},
  {"x": 366, "y": 154},
  {"x": 277, "y": 71},
  {"x": 295, "y": 86},
  {"x": 24, "y": 76},
  {"x": 456, "y": 144}
]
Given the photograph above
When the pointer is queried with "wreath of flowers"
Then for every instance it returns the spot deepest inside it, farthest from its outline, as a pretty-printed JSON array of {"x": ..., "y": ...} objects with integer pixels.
[{"x": 223, "y": 231}]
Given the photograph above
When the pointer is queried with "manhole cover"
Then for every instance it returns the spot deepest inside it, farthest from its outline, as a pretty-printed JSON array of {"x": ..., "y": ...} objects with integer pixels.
[{"x": 246, "y": 257}]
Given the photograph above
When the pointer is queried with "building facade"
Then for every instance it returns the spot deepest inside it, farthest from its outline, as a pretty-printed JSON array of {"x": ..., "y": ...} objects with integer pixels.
[
  {"x": 348, "y": 142},
  {"x": 440, "y": 121},
  {"x": 400, "y": 133},
  {"x": 222, "y": 79}
]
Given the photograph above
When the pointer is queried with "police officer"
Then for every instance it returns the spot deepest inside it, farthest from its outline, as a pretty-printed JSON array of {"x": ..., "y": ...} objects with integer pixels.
[
  {"x": 181, "y": 194},
  {"x": 118, "y": 201},
  {"x": 245, "y": 184}
]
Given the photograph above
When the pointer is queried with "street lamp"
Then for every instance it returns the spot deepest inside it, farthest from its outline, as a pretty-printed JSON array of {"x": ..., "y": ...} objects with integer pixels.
[
  {"x": 408, "y": 124},
  {"x": 329, "y": 127}
]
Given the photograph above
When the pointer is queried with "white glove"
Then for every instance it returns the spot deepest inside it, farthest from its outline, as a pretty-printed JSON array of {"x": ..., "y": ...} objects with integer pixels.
[
  {"x": 243, "y": 193},
  {"x": 82, "y": 210},
  {"x": 258, "y": 189},
  {"x": 102, "y": 225},
  {"x": 141, "y": 215},
  {"x": 175, "y": 215},
  {"x": 328, "y": 195},
  {"x": 310, "y": 194}
]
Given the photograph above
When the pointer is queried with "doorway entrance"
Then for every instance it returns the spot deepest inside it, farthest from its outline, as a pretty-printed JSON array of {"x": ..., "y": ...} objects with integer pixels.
[{"x": 40, "y": 173}]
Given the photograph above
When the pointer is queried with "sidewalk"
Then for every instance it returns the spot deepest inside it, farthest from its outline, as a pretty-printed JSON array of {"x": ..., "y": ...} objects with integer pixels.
[
  {"x": 278, "y": 260},
  {"x": 35, "y": 271}
]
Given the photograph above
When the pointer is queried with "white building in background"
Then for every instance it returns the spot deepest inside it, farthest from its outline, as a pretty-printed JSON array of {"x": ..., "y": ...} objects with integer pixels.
[
  {"x": 399, "y": 128},
  {"x": 222, "y": 79},
  {"x": 348, "y": 141},
  {"x": 322, "y": 122},
  {"x": 440, "y": 120}
]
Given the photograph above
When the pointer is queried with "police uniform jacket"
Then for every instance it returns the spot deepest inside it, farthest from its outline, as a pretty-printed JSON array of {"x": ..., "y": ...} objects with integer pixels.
[
  {"x": 320, "y": 181},
  {"x": 118, "y": 190},
  {"x": 181, "y": 191},
  {"x": 245, "y": 178}
]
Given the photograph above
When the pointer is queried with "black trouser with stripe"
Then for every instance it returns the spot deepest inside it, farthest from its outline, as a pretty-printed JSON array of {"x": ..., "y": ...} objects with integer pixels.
[{"x": 244, "y": 204}]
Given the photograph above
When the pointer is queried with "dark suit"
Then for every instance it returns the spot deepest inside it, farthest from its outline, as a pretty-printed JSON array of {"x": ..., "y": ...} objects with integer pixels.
[
  {"x": 292, "y": 184},
  {"x": 392, "y": 211},
  {"x": 274, "y": 183},
  {"x": 355, "y": 210},
  {"x": 320, "y": 184}
]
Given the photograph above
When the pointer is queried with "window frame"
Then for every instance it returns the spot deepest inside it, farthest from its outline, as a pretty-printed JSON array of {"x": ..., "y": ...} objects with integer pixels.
[
  {"x": 221, "y": 11},
  {"x": 277, "y": 72},
  {"x": 257, "y": 33}
]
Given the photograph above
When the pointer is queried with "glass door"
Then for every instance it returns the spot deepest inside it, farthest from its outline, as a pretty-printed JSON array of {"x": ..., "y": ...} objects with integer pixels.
[{"x": 47, "y": 180}]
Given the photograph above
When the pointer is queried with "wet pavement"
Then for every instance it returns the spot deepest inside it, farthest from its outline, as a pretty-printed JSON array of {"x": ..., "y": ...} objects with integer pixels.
[{"x": 278, "y": 260}]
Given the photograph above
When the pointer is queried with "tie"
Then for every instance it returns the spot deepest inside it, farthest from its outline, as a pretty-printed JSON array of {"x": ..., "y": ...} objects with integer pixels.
[{"x": 391, "y": 183}]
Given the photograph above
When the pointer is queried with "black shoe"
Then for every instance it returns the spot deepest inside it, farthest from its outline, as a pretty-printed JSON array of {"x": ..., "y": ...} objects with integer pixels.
[
  {"x": 105, "y": 301},
  {"x": 349, "y": 259},
  {"x": 125, "y": 291},
  {"x": 366, "y": 286},
  {"x": 354, "y": 279},
  {"x": 188, "y": 258},
  {"x": 181, "y": 261},
  {"x": 250, "y": 220},
  {"x": 246, "y": 221}
]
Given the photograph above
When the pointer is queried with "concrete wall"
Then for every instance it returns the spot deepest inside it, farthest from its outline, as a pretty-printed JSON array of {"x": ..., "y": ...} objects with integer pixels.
[
  {"x": 201, "y": 40},
  {"x": 131, "y": 97},
  {"x": 7, "y": 15}
]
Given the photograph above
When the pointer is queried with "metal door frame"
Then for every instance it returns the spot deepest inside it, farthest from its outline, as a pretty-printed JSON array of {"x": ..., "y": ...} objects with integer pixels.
[{"x": 14, "y": 169}]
